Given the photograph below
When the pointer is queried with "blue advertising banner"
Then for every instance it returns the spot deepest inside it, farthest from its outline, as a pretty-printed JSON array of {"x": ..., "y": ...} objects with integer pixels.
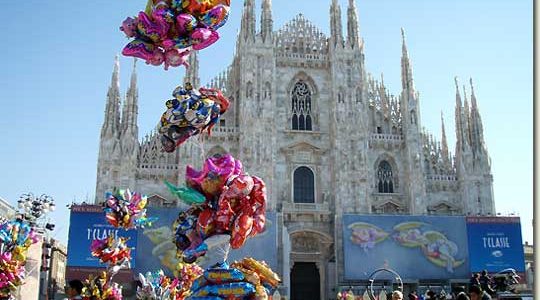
[
  {"x": 155, "y": 249},
  {"x": 87, "y": 223},
  {"x": 495, "y": 244},
  {"x": 427, "y": 247}
]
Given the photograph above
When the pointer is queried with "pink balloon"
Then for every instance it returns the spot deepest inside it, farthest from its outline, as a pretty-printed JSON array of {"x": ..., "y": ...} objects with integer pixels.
[
  {"x": 215, "y": 17},
  {"x": 140, "y": 49},
  {"x": 155, "y": 31},
  {"x": 175, "y": 58},
  {"x": 157, "y": 58},
  {"x": 129, "y": 26},
  {"x": 185, "y": 23},
  {"x": 203, "y": 37}
]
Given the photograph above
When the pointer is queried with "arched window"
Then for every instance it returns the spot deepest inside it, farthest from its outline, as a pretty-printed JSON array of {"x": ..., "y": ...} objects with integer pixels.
[
  {"x": 249, "y": 89},
  {"x": 267, "y": 90},
  {"x": 385, "y": 178},
  {"x": 358, "y": 95},
  {"x": 301, "y": 107},
  {"x": 304, "y": 185}
]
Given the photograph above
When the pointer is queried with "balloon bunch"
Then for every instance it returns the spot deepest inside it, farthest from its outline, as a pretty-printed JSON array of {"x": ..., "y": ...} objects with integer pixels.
[
  {"x": 191, "y": 112},
  {"x": 101, "y": 287},
  {"x": 247, "y": 279},
  {"x": 168, "y": 29},
  {"x": 235, "y": 205},
  {"x": 11, "y": 274},
  {"x": 16, "y": 236},
  {"x": 158, "y": 286},
  {"x": 112, "y": 251},
  {"x": 126, "y": 209}
]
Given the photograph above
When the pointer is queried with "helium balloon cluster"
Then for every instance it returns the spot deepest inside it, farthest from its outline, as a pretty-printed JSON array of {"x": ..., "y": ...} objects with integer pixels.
[
  {"x": 167, "y": 30},
  {"x": 101, "y": 287},
  {"x": 191, "y": 112},
  {"x": 16, "y": 236},
  {"x": 158, "y": 286},
  {"x": 125, "y": 209},
  {"x": 111, "y": 251},
  {"x": 247, "y": 279},
  {"x": 234, "y": 205}
]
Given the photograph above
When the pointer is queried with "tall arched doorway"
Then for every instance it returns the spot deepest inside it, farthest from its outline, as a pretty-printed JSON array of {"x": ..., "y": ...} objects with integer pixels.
[
  {"x": 305, "y": 281},
  {"x": 310, "y": 253}
]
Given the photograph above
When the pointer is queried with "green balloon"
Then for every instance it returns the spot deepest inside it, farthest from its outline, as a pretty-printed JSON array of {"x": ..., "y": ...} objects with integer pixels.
[{"x": 186, "y": 194}]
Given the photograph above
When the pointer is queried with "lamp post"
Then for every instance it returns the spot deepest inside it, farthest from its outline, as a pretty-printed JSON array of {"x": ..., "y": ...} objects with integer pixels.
[{"x": 35, "y": 210}]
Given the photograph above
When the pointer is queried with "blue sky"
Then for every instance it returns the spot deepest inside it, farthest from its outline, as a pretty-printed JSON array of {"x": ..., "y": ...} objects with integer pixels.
[{"x": 58, "y": 59}]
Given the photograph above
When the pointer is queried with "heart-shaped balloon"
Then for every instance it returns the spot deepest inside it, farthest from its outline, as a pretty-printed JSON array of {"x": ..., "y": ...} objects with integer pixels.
[
  {"x": 154, "y": 31},
  {"x": 157, "y": 58},
  {"x": 215, "y": 17},
  {"x": 140, "y": 49},
  {"x": 203, "y": 37},
  {"x": 175, "y": 58},
  {"x": 197, "y": 7},
  {"x": 129, "y": 27},
  {"x": 185, "y": 23}
]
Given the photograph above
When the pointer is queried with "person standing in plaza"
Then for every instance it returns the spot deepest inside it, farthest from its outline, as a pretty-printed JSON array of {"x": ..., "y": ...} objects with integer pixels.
[
  {"x": 477, "y": 293},
  {"x": 74, "y": 290}
]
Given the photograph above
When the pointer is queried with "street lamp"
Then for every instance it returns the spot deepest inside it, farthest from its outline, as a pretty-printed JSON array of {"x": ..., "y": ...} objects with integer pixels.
[{"x": 33, "y": 208}]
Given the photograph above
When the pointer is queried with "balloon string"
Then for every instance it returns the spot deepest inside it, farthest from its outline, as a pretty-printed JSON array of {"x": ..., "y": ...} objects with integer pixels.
[{"x": 200, "y": 144}]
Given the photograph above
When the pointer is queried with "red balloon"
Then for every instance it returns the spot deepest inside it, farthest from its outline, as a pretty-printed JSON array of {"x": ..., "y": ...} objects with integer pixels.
[
  {"x": 205, "y": 222},
  {"x": 242, "y": 228}
]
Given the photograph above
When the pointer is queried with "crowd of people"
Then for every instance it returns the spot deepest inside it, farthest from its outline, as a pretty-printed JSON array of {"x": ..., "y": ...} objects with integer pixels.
[
  {"x": 475, "y": 293},
  {"x": 480, "y": 289}
]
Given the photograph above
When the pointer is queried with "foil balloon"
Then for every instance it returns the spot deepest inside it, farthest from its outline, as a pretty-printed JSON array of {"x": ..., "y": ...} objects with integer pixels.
[
  {"x": 230, "y": 208},
  {"x": 141, "y": 49},
  {"x": 185, "y": 23},
  {"x": 214, "y": 175},
  {"x": 197, "y": 7},
  {"x": 247, "y": 279},
  {"x": 186, "y": 194},
  {"x": 173, "y": 25},
  {"x": 129, "y": 27},
  {"x": 203, "y": 38},
  {"x": 175, "y": 58},
  {"x": 111, "y": 251},
  {"x": 101, "y": 287},
  {"x": 16, "y": 236},
  {"x": 158, "y": 286},
  {"x": 124, "y": 209},
  {"x": 190, "y": 113},
  {"x": 215, "y": 17}
]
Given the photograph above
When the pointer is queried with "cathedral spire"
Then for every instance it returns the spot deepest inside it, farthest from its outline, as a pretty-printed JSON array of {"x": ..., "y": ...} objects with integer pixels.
[
  {"x": 248, "y": 23},
  {"x": 444, "y": 142},
  {"x": 192, "y": 72},
  {"x": 477, "y": 130},
  {"x": 458, "y": 117},
  {"x": 473, "y": 96},
  {"x": 406, "y": 68},
  {"x": 266, "y": 20},
  {"x": 461, "y": 122},
  {"x": 111, "y": 122},
  {"x": 336, "y": 30},
  {"x": 130, "y": 110},
  {"x": 466, "y": 117},
  {"x": 353, "y": 36}
]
